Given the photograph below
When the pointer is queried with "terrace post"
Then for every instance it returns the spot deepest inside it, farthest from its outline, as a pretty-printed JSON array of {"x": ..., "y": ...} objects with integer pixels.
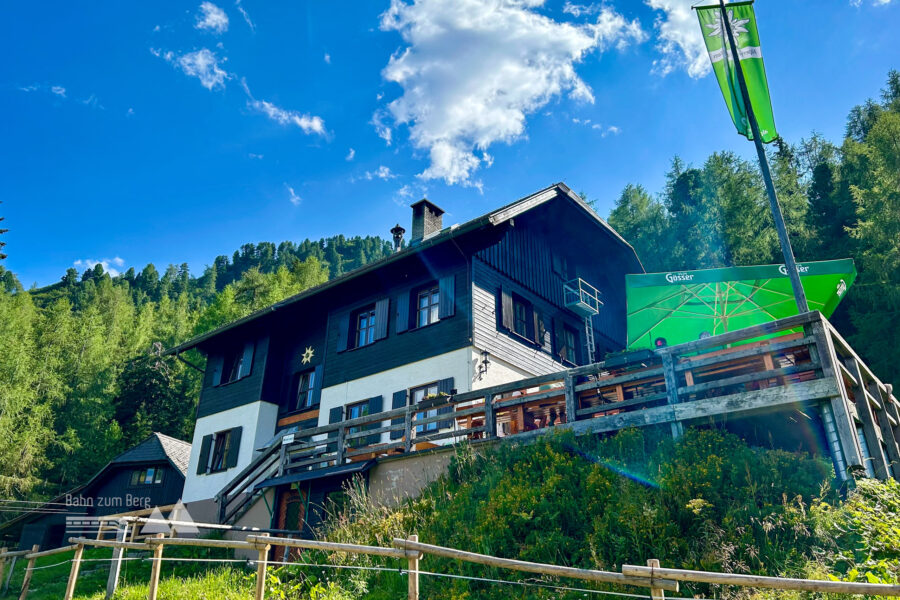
[
  {"x": 261, "y": 563},
  {"x": 668, "y": 362},
  {"x": 339, "y": 456},
  {"x": 571, "y": 400},
  {"x": 73, "y": 573},
  {"x": 26, "y": 581},
  {"x": 870, "y": 430},
  {"x": 407, "y": 429},
  {"x": 490, "y": 418},
  {"x": 822, "y": 351}
]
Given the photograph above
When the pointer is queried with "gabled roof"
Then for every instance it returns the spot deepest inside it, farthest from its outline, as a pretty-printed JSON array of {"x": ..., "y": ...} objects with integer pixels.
[
  {"x": 494, "y": 218},
  {"x": 158, "y": 447}
]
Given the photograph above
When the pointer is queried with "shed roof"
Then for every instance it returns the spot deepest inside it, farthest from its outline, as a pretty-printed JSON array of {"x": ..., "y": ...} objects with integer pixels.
[{"x": 158, "y": 447}]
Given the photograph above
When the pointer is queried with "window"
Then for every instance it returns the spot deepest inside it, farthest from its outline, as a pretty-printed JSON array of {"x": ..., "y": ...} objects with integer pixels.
[
  {"x": 418, "y": 395},
  {"x": 148, "y": 476},
  {"x": 354, "y": 411},
  {"x": 221, "y": 445},
  {"x": 427, "y": 306},
  {"x": 521, "y": 310},
  {"x": 365, "y": 327},
  {"x": 236, "y": 364},
  {"x": 569, "y": 349},
  {"x": 304, "y": 384}
]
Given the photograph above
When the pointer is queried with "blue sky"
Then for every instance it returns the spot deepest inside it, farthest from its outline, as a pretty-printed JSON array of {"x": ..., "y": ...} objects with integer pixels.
[{"x": 173, "y": 132}]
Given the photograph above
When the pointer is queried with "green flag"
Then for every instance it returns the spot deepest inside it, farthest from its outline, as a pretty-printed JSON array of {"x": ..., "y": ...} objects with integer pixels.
[{"x": 746, "y": 38}]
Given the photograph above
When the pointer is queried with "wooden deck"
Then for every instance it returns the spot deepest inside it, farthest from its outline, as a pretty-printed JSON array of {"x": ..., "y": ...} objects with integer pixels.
[{"x": 793, "y": 363}]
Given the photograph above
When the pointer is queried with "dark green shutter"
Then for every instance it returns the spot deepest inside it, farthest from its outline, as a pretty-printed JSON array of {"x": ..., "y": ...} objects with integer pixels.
[
  {"x": 559, "y": 338},
  {"x": 542, "y": 335},
  {"x": 445, "y": 386},
  {"x": 247, "y": 362},
  {"x": 203, "y": 463},
  {"x": 398, "y": 401},
  {"x": 215, "y": 363},
  {"x": 343, "y": 331},
  {"x": 382, "y": 316},
  {"x": 507, "y": 316},
  {"x": 375, "y": 405},
  {"x": 234, "y": 447},
  {"x": 317, "y": 385},
  {"x": 335, "y": 415},
  {"x": 447, "y": 295},
  {"x": 403, "y": 312}
]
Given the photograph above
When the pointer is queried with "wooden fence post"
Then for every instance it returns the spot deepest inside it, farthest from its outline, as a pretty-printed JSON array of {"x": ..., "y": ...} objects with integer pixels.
[
  {"x": 73, "y": 573},
  {"x": 571, "y": 400},
  {"x": 154, "y": 569},
  {"x": 668, "y": 362},
  {"x": 12, "y": 567},
  {"x": 655, "y": 593},
  {"x": 27, "y": 580},
  {"x": 413, "y": 574},
  {"x": 261, "y": 564},
  {"x": 115, "y": 566},
  {"x": 2, "y": 561}
]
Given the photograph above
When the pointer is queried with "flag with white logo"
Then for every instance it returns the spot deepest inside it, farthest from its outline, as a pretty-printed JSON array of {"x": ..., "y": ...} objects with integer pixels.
[{"x": 746, "y": 37}]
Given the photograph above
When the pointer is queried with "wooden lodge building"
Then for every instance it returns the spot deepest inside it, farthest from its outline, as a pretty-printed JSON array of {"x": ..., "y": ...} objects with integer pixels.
[
  {"x": 486, "y": 330},
  {"x": 150, "y": 474}
]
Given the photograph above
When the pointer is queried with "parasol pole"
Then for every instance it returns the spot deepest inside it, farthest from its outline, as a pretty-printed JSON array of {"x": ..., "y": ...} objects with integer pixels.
[{"x": 789, "y": 262}]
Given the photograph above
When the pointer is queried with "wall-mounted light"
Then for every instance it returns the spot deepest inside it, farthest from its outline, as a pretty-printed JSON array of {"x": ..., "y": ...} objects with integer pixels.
[{"x": 484, "y": 364}]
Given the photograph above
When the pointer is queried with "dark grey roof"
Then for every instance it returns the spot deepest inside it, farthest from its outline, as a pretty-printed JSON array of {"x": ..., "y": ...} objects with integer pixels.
[
  {"x": 492, "y": 218},
  {"x": 158, "y": 447}
]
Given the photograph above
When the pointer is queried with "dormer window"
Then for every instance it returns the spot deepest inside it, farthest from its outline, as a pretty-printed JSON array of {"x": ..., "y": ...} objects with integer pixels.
[{"x": 236, "y": 363}]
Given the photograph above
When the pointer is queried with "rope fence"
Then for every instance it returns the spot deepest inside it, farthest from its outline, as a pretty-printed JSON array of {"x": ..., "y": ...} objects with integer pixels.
[{"x": 408, "y": 552}]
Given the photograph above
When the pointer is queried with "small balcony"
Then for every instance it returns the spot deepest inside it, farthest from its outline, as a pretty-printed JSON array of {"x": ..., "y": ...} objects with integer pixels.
[{"x": 582, "y": 298}]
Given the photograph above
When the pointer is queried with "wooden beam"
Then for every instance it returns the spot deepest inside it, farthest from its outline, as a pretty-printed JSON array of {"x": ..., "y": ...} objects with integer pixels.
[
  {"x": 29, "y": 570},
  {"x": 531, "y": 567},
  {"x": 73, "y": 573},
  {"x": 740, "y": 335},
  {"x": 156, "y": 567},
  {"x": 413, "y": 572},
  {"x": 864, "y": 409},
  {"x": 761, "y": 581},
  {"x": 672, "y": 392},
  {"x": 261, "y": 563}
]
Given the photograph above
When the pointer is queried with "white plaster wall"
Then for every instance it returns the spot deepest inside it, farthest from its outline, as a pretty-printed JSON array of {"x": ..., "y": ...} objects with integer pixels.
[
  {"x": 497, "y": 372},
  {"x": 455, "y": 364},
  {"x": 258, "y": 420}
]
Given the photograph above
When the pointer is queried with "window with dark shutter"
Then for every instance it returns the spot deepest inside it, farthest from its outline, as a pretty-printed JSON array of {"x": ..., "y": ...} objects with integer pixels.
[
  {"x": 375, "y": 406},
  {"x": 203, "y": 463},
  {"x": 355, "y": 411},
  {"x": 447, "y": 286},
  {"x": 398, "y": 401},
  {"x": 445, "y": 386},
  {"x": 542, "y": 335},
  {"x": 427, "y": 305},
  {"x": 234, "y": 447},
  {"x": 382, "y": 312},
  {"x": 215, "y": 363},
  {"x": 507, "y": 318},
  {"x": 364, "y": 323},
  {"x": 236, "y": 363},
  {"x": 402, "y": 312},
  {"x": 343, "y": 332}
]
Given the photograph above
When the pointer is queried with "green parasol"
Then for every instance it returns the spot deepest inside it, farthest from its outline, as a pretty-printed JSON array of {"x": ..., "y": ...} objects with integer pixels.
[{"x": 686, "y": 305}]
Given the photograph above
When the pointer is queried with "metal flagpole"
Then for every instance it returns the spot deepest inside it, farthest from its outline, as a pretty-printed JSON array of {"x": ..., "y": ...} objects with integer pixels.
[{"x": 789, "y": 262}]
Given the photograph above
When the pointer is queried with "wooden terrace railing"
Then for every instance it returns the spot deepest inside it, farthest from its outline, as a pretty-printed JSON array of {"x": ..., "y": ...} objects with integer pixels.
[{"x": 795, "y": 360}]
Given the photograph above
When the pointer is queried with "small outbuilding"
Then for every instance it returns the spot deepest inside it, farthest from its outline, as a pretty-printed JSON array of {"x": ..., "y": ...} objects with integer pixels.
[{"x": 149, "y": 474}]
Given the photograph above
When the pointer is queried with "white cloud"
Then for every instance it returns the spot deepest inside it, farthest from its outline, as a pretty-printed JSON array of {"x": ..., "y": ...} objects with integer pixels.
[
  {"x": 308, "y": 123},
  {"x": 212, "y": 18},
  {"x": 577, "y": 10},
  {"x": 350, "y": 155},
  {"x": 93, "y": 102},
  {"x": 254, "y": 155},
  {"x": 292, "y": 196},
  {"x": 245, "y": 15},
  {"x": 383, "y": 131},
  {"x": 679, "y": 39},
  {"x": 109, "y": 264},
  {"x": 29, "y": 88},
  {"x": 202, "y": 64},
  {"x": 611, "y": 130},
  {"x": 130, "y": 112},
  {"x": 327, "y": 58},
  {"x": 58, "y": 90},
  {"x": 382, "y": 172},
  {"x": 472, "y": 71}
]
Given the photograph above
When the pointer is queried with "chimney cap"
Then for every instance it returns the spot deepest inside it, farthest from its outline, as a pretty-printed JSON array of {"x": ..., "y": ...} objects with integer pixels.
[
  {"x": 398, "y": 230},
  {"x": 428, "y": 204}
]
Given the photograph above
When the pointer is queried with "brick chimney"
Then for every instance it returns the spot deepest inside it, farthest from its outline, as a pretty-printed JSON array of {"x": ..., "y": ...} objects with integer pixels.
[{"x": 427, "y": 220}]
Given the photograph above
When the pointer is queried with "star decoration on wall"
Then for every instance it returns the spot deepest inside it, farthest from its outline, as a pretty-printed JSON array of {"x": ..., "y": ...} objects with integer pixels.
[{"x": 307, "y": 355}]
